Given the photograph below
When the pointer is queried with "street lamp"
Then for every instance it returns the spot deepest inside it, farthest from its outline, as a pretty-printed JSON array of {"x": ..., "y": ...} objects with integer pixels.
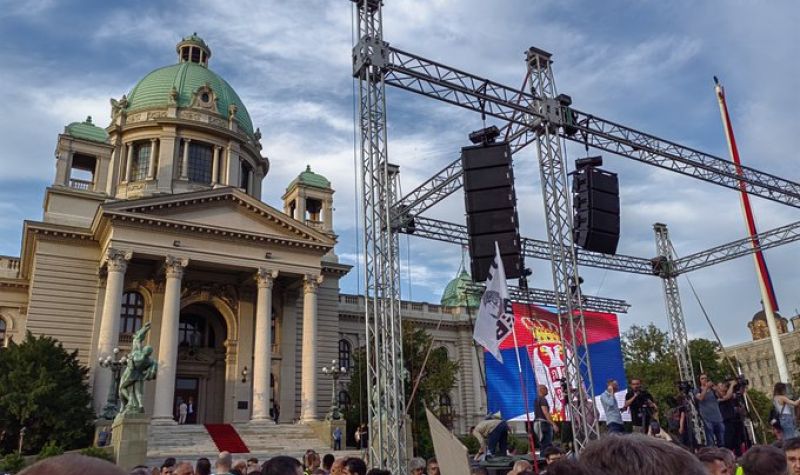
[
  {"x": 115, "y": 364},
  {"x": 335, "y": 371}
]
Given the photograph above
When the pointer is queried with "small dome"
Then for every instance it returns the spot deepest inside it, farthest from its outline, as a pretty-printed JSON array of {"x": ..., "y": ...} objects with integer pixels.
[
  {"x": 456, "y": 295},
  {"x": 761, "y": 315},
  {"x": 309, "y": 178},
  {"x": 86, "y": 130},
  {"x": 177, "y": 84}
]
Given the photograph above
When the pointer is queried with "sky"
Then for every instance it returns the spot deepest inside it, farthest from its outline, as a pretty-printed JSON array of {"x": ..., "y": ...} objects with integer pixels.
[{"x": 646, "y": 64}]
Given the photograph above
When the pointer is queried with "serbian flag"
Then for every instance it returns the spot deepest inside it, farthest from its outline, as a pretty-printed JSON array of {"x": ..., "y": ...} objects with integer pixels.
[
  {"x": 495, "y": 316},
  {"x": 538, "y": 338}
]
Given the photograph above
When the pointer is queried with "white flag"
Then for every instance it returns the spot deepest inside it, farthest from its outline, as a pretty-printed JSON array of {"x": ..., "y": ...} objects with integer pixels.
[{"x": 495, "y": 319}]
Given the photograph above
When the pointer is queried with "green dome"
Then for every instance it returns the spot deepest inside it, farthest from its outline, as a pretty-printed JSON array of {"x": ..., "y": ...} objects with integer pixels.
[
  {"x": 155, "y": 90},
  {"x": 86, "y": 130},
  {"x": 309, "y": 178},
  {"x": 455, "y": 294}
]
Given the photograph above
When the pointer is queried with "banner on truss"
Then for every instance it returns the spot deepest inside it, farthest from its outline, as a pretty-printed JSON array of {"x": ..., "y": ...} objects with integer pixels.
[{"x": 544, "y": 358}]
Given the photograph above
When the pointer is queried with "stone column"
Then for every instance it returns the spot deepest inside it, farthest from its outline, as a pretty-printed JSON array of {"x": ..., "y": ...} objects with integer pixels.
[
  {"x": 151, "y": 167},
  {"x": 308, "y": 385},
  {"x": 215, "y": 166},
  {"x": 185, "y": 160},
  {"x": 168, "y": 344},
  {"x": 262, "y": 352},
  {"x": 108, "y": 338},
  {"x": 129, "y": 162}
]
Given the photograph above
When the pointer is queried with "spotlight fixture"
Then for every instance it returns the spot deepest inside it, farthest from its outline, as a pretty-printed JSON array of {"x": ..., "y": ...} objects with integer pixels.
[{"x": 484, "y": 136}]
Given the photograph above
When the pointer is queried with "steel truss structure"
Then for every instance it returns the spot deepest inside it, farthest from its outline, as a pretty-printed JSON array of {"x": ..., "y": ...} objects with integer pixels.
[{"x": 538, "y": 115}]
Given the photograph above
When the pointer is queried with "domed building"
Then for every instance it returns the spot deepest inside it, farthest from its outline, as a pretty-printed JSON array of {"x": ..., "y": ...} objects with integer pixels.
[
  {"x": 759, "y": 328},
  {"x": 156, "y": 219}
]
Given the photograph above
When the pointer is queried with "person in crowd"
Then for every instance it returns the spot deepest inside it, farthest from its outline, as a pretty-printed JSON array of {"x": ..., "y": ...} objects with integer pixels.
[
  {"x": 641, "y": 405},
  {"x": 191, "y": 416},
  {"x": 252, "y": 465},
  {"x": 543, "y": 424},
  {"x": 337, "y": 438},
  {"x": 492, "y": 434},
  {"x": 362, "y": 436},
  {"x": 183, "y": 468},
  {"x": 519, "y": 467},
  {"x": 791, "y": 447},
  {"x": 72, "y": 464},
  {"x": 183, "y": 410},
  {"x": 764, "y": 460},
  {"x": 355, "y": 466},
  {"x": 638, "y": 454},
  {"x": 717, "y": 461},
  {"x": 416, "y": 466},
  {"x": 433, "y": 467},
  {"x": 327, "y": 462},
  {"x": 223, "y": 464},
  {"x": 478, "y": 471},
  {"x": 203, "y": 466},
  {"x": 239, "y": 468},
  {"x": 708, "y": 406},
  {"x": 552, "y": 454},
  {"x": 168, "y": 466},
  {"x": 140, "y": 470},
  {"x": 282, "y": 465},
  {"x": 378, "y": 471},
  {"x": 610, "y": 405},
  {"x": 785, "y": 408},
  {"x": 680, "y": 423},
  {"x": 732, "y": 415}
]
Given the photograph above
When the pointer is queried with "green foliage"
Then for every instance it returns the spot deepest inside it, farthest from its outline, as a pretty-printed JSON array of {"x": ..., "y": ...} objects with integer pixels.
[
  {"x": 12, "y": 463},
  {"x": 706, "y": 352},
  {"x": 50, "y": 449},
  {"x": 471, "y": 443},
  {"x": 45, "y": 391},
  {"x": 759, "y": 414},
  {"x": 99, "y": 452}
]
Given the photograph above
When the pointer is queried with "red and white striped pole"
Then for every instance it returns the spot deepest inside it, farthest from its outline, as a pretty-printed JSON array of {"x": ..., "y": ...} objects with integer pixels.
[{"x": 764, "y": 281}]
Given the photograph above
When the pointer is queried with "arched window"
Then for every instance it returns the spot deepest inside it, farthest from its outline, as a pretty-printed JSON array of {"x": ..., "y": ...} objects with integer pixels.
[
  {"x": 344, "y": 400},
  {"x": 2, "y": 333},
  {"x": 142, "y": 152},
  {"x": 345, "y": 351},
  {"x": 446, "y": 410},
  {"x": 200, "y": 161},
  {"x": 131, "y": 313}
]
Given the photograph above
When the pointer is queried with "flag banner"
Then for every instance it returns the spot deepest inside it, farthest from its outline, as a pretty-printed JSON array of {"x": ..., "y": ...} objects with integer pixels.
[
  {"x": 544, "y": 361},
  {"x": 495, "y": 318}
]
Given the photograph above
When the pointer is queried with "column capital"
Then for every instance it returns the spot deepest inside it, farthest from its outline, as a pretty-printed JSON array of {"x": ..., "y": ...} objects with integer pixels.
[
  {"x": 175, "y": 266},
  {"x": 311, "y": 283},
  {"x": 117, "y": 260},
  {"x": 266, "y": 277},
  {"x": 154, "y": 140},
  {"x": 187, "y": 140}
]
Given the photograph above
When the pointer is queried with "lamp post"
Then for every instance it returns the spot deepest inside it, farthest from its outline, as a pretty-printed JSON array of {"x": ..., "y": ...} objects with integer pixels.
[
  {"x": 335, "y": 371},
  {"x": 115, "y": 364}
]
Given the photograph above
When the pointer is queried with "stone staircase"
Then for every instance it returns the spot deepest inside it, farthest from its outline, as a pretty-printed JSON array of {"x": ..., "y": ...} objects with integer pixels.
[{"x": 191, "y": 441}]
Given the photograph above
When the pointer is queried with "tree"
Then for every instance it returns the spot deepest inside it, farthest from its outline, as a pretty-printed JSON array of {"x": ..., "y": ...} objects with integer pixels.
[{"x": 44, "y": 389}]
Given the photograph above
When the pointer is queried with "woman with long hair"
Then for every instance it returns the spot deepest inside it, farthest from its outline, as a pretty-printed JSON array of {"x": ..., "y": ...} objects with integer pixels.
[{"x": 785, "y": 409}]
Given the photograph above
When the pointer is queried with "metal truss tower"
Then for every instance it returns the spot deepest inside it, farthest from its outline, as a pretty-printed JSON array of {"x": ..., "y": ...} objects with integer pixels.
[
  {"x": 386, "y": 397},
  {"x": 564, "y": 262},
  {"x": 664, "y": 266}
]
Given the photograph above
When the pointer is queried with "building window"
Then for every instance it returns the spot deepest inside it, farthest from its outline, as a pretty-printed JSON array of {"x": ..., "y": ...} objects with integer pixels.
[
  {"x": 345, "y": 351},
  {"x": 446, "y": 410},
  {"x": 81, "y": 175},
  {"x": 2, "y": 333},
  {"x": 244, "y": 179},
  {"x": 200, "y": 162},
  {"x": 131, "y": 313},
  {"x": 344, "y": 400},
  {"x": 195, "y": 331},
  {"x": 141, "y": 161},
  {"x": 273, "y": 328}
]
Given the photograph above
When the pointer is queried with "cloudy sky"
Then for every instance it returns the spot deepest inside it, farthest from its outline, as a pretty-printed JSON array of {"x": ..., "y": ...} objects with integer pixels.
[{"x": 645, "y": 63}]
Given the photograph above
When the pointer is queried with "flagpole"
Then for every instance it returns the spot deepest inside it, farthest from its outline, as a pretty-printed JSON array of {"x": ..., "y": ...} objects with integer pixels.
[
  {"x": 764, "y": 282},
  {"x": 528, "y": 427}
]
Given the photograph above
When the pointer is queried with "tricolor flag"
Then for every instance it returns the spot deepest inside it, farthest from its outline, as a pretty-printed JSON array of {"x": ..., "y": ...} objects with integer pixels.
[{"x": 495, "y": 320}]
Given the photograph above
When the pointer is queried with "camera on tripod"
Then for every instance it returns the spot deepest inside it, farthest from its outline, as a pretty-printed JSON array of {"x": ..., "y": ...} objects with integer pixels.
[
  {"x": 684, "y": 386},
  {"x": 740, "y": 383}
]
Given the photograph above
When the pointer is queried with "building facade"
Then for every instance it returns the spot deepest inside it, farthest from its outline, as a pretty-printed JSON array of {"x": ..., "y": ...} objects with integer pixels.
[{"x": 157, "y": 219}]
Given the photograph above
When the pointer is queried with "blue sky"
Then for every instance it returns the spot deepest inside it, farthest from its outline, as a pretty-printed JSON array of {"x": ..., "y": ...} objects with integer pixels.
[{"x": 647, "y": 64}]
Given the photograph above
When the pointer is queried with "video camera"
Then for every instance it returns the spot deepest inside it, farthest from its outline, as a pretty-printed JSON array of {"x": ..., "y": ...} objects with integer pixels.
[
  {"x": 739, "y": 382},
  {"x": 684, "y": 386}
]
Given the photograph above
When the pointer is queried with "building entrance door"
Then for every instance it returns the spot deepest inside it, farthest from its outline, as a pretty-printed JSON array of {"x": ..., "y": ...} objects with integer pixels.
[{"x": 187, "y": 391}]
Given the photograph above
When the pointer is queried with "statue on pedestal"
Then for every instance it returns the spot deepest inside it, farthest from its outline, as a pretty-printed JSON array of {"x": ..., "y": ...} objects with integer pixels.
[{"x": 141, "y": 367}]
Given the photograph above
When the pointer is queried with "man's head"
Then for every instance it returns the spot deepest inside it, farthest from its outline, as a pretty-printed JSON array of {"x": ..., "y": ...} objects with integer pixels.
[
  {"x": 764, "y": 460},
  {"x": 355, "y": 466},
  {"x": 542, "y": 390},
  {"x": 282, "y": 465},
  {"x": 184, "y": 468},
  {"x": 433, "y": 466},
  {"x": 612, "y": 385},
  {"x": 252, "y": 464},
  {"x": 704, "y": 379},
  {"x": 416, "y": 466},
  {"x": 338, "y": 467},
  {"x": 203, "y": 466},
  {"x": 224, "y": 462},
  {"x": 792, "y": 449},
  {"x": 636, "y": 384},
  {"x": 327, "y": 461},
  {"x": 717, "y": 461},
  {"x": 637, "y": 454},
  {"x": 168, "y": 466},
  {"x": 72, "y": 464},
  {"x": 551, "y": 454}
]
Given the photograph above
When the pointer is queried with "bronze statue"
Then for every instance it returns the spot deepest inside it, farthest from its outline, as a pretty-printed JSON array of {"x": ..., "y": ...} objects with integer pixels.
[{"x": 141, "y": 367}]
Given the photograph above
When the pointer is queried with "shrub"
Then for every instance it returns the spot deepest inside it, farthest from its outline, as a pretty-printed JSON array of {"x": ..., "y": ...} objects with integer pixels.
[
  {"x": 50, "y": 449},
  {"x": 98, "y": 452},
  {"x": 12, "y": 463},
  {"x": 471, "y": 443}
]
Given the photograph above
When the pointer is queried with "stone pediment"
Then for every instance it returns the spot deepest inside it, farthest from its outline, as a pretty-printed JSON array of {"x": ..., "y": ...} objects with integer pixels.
[{"x": 226, "y": 210}]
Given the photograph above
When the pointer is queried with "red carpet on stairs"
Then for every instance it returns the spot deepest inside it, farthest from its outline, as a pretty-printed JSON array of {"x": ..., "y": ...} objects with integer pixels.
[{"x": 226, "y": 438}]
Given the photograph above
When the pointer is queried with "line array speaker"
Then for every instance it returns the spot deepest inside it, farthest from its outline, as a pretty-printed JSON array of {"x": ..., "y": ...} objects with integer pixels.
[{"x": 596, "y": 207}]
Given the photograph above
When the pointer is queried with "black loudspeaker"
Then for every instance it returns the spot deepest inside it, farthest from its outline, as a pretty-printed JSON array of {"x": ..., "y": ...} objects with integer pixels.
[
  {"x": 596, "y": 206},
  {"x": 491, "y": 209}
]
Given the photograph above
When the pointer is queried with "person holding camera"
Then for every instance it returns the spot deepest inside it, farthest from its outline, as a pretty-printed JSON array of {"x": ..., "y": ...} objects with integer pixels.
[
  {"x": 641, "y": 405},
  {"x": 708, "y": 406},
  {"x": 730, "y": 394}
]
